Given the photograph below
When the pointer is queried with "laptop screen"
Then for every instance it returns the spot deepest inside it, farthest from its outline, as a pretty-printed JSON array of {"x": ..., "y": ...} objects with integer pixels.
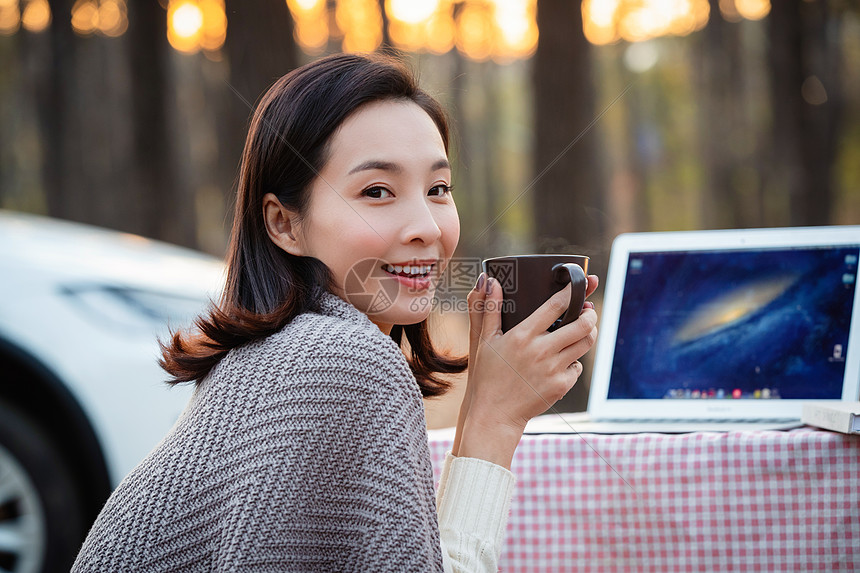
[{"x": 763, "y": 324}]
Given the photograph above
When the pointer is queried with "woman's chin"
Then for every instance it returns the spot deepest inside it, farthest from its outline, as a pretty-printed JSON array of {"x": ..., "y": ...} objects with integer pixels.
[{"x": 416, "y": 312}]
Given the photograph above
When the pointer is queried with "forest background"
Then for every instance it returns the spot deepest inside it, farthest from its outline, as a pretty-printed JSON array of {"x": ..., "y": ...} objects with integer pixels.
[{"x": 574, "y": 121}]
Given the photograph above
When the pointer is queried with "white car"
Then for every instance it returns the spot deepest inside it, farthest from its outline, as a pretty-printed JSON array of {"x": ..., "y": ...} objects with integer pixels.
[{"x": 82, "y": 398}]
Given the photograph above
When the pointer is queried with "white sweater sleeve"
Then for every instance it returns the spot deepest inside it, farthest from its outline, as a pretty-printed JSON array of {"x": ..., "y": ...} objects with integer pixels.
[{"x": 473, "y": 502}]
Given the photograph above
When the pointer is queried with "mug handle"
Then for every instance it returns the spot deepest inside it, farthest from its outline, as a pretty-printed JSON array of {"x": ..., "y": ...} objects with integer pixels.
[{"x": 564, "y": 273}]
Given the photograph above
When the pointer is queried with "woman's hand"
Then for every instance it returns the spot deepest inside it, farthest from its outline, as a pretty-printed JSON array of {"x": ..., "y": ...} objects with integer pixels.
[{"x": 519, "y": 374}]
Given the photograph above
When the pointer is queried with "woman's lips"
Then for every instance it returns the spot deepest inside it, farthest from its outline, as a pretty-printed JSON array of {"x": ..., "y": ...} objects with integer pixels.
[{"x": 420, "y": 282}]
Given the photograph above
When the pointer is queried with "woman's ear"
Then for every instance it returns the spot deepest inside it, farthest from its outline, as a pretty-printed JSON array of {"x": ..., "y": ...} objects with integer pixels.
[{"x": 281, "y": 224}]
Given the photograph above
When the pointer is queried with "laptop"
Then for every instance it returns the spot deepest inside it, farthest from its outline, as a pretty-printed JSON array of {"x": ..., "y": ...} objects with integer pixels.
[{"x": 722, "y": 330}]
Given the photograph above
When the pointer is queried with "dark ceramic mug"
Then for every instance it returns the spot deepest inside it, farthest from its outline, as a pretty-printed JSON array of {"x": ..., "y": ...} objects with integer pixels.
[{"x": 528, "y": 281}]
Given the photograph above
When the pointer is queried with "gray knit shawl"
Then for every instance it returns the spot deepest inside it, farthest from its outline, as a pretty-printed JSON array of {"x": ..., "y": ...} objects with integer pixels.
[{"x": 304, "y": 451}]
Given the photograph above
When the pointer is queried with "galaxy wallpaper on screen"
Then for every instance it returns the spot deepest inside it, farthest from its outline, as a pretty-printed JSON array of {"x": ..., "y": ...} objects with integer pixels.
[{"x": 768, "y": 324}]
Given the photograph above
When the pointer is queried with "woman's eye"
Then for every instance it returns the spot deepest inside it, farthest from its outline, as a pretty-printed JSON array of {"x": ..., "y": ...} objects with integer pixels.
[
  {"x": 442, "y": 189},
  {"x": 375, "y": 190}
]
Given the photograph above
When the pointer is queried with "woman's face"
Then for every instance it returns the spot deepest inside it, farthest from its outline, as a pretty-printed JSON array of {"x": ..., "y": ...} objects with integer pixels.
[{"x": 383, "y": 198}]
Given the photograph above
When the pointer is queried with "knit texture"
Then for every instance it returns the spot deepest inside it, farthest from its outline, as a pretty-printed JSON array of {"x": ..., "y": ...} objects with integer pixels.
[
  {"x": 473, "y": 503},
  {"x": 304, "y": 451}
]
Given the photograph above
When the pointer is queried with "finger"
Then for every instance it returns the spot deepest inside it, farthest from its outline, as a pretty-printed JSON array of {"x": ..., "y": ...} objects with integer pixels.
[
  {"x": 578, "y": 349},
  {"x": 492, "y": 319},
  {"x": 593, "y": 282},
  {"x": 476, "y": 299},
  {"x": 574, "y": 371},
  {"x": 576, "y": 368},
  {"x": 575, "y": 331},
  {"x": 547, "y": 313}
]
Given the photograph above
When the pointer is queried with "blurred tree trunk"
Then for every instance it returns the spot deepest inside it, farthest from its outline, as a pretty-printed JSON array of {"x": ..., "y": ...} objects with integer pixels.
[
  {"x": 806, "y": 103},
  {"x": 260, "y": 49},
  {"x": 167, "y": 209},
  {"x": 386, "y": 37},
  {"x": 25, "y": 60},
  {"x": 61, "y": 170},
  {"x": 460, "y": 153},
  {"x": 85, "y": 163},
  {"x": 569, "y": 192},
  {"x": 635, "y": 168},
  {"x": 628, "y": 208},
  {"x": 568, "y": 196},
  {"x": 727, "y": 143},
  {"x": 99, "y": 167},
  {"x": 478, "y": 153},
  {"x": 489, "y": 153},
  {"x": 474, "y": 108}
]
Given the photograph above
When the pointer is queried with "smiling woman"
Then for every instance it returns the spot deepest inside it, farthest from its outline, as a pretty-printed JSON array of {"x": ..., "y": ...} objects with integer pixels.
[
  {"x": 304, "y": 447},
  {"x": 398, "y": 211},
  {"x": 369, "y": 131}
]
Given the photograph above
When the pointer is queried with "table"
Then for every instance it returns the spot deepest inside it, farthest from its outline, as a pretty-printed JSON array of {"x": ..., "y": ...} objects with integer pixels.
[{"x": 737, "y": 501}]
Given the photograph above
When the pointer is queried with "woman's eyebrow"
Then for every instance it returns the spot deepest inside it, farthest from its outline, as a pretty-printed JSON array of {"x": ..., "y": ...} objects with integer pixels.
[
  {"x": 376, "y": 164},
  {"x": 441, "y": 164},
  {"x": 394, "y": 167}
]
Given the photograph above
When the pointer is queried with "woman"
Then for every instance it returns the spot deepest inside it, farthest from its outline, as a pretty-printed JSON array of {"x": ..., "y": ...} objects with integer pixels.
[{"x": 304, "y": 447}]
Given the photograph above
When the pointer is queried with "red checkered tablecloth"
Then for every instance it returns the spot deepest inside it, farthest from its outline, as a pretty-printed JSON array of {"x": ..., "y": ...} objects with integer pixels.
[{"x": 737, "y": 501}]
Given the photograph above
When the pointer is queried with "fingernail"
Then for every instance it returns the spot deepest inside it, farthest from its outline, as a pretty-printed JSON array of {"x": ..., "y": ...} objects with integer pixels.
[
  {"x": 490, "y": 283},
  {"x": 480, "y": 284},
  {"x": 588, "y": 304}
]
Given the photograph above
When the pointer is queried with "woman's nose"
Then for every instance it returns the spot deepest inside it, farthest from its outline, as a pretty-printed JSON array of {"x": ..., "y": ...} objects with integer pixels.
[{"x": 420, "y": 224}]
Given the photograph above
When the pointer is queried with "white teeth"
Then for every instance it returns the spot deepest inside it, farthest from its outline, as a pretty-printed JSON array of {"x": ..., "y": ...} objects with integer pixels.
[{"x": 409, "y": 270}]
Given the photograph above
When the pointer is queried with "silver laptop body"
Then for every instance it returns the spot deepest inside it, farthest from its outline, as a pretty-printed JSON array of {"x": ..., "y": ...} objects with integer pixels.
[{"x": 723, "y": 330}]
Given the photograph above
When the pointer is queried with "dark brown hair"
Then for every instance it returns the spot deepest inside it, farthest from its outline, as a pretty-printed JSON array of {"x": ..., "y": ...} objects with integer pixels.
[{"x": 287, "y": 145}]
